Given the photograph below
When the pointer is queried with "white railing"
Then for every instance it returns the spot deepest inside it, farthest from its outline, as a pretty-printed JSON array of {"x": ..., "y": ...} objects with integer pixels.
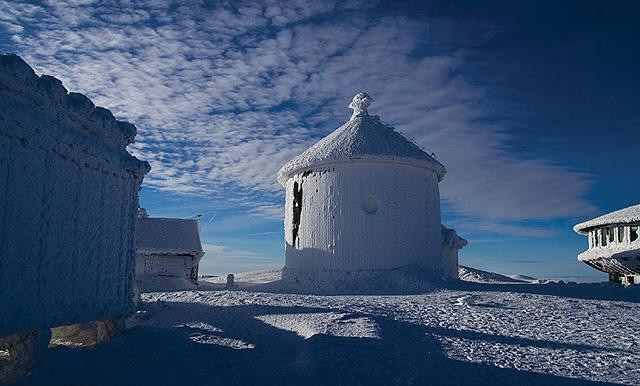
[{"x": 609, "y": 236}]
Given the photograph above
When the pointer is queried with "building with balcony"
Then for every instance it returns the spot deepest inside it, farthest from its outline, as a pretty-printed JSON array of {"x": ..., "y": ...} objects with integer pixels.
[{"x": 614, "y": 244}]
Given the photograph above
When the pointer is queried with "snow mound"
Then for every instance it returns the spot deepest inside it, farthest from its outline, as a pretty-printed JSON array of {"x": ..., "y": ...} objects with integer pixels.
[
  {"x": 523, "y": 278},
  {"x": 405, "y": 280},
  {"x": 340, "y": 324},
  {"x": 479, "y": 276},
  {"x": 164, "y": 284},
  {"x": 253, "y": 277},
  {"x": 410, "y": 279}
]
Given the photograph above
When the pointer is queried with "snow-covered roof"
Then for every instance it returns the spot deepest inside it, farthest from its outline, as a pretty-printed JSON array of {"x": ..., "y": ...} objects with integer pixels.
[
  {"x": 623, "y": 216},
  {"x": 362, "y": 137},
  {"x": 451, "y": 237},
  {"x": 167, "y": 236}
]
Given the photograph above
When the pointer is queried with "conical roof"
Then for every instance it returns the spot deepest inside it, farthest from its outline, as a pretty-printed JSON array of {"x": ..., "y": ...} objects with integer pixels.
[
  {"x": 630, "y": 215},
  {"x": 363, "y": 137}
]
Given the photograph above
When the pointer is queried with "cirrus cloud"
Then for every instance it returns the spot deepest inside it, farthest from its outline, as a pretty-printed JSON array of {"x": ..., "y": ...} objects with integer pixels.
[{"x": 224, "y": 93}]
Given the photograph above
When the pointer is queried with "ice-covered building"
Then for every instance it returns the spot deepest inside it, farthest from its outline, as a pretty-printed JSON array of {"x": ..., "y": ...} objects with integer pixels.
[
  {"x": 67, "y": 210},
  {"x": 451, "y": 244},
  {"x": 614, "y": 244},
  {"x": 167, "y": 247},
  {"x": 362, "y": 200}
]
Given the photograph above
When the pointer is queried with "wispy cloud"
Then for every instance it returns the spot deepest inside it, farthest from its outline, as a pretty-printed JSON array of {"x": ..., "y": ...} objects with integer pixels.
[
  {"x": 224, "y": 94},
  {"x": 220, "y": 259}
]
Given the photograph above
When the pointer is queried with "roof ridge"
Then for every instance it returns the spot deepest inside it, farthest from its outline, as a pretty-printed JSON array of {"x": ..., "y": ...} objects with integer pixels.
[
  {"x": 363, "y": 136},
  {"x": 628, "y": 215}
]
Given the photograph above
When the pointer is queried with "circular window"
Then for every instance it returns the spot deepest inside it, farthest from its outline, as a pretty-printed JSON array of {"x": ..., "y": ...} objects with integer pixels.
[{"x": 370, "y": 204}]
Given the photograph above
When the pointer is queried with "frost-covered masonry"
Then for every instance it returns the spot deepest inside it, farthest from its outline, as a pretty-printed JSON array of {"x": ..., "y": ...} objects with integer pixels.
[{"x": 68, "y": 196}]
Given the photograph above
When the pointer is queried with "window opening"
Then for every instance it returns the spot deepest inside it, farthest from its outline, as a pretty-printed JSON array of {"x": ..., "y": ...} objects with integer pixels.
[
  {"x": 633, "y": 233},
  {"x": 621, "y": 234},
  {"x": 603, "y": 236},
  {"x": 297, "y": 210}
]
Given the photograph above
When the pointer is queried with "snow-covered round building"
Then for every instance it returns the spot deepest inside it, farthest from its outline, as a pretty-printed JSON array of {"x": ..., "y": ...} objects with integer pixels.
[
  {"x": 614, "y": 244},
  {"x": 362, "y": 200}
]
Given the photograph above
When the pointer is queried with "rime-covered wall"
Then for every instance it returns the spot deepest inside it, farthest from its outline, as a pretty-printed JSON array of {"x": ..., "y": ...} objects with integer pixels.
[
  {"x": 68, "y": 195},
  {"x": 182, "y": 266},
  {"x": 362, "y": 216},
  {"x": 451, "y": 244}
]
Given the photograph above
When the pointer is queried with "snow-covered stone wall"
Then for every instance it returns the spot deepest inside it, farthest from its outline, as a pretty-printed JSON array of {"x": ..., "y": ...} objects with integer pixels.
[
  {"x": 68, "y": 196},
  {"x": 358, "y": 216}
]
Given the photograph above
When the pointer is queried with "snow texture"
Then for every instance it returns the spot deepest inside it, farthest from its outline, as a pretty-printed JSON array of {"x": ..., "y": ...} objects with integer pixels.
[
  {"x": 167, "y": 247},
  {"x": 623, "y": 260},
  {"x": 628, "y": 215},
  {"x": 338, "y": 230},
  {"x": 620, "y": 255},
  {"x": 68, "y": 195},
  {"x": 478, "y": 276},
  {"x": 451, "y": 244},
  {"x": 474, "y": 275},
  {"x": 466, "y": 333},
  {"x": 363, "y": 200},
  {"x": 167, "y": 236},
  {"x": 363, "y": 137}
]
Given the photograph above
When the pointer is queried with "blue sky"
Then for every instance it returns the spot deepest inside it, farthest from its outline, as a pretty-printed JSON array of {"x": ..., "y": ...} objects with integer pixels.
[{"x": 532, "y": 107}]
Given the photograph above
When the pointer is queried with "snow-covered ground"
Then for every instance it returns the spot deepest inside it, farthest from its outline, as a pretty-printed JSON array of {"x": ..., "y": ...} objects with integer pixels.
[
  {"x": 479, "y": 276},
  {"x": 459, "y": 333}
]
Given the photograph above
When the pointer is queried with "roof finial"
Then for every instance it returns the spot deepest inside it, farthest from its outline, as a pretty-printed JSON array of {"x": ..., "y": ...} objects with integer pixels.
[{"x": 359, "y": 104}]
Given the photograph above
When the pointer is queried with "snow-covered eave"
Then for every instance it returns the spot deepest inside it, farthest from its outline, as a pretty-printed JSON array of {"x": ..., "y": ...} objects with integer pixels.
[
  {"x": 451, "y": 237},
  {"x": 612, "y": 260},
  {"x": 150, "y": 252},
  {"x": 585, "y": 227},
  {"x": 612, "y": 252},
  {"x": 290, "y": 169},
  {"x": 625, "y": 216}
]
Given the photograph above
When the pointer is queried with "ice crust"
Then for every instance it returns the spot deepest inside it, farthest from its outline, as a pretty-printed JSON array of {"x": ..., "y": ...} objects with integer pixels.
[
  {"x": 167, "y": 236},
  {"x": 69, "y": 191},
  {"x": 627, "y": 215},
  {"x": 470, "y": 333},
  {"x": 363, "y": 137}
]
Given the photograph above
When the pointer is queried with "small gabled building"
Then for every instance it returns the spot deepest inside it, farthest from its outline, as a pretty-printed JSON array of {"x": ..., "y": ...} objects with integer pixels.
[
  {"x": 167, "y": 247},
  {"x": 451, "y": 245},
  {"x": 614, "y": 244}
]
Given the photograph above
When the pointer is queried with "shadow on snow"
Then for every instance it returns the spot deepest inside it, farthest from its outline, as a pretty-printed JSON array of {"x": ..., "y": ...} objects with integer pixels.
[{"x": 403, "y": 354}]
